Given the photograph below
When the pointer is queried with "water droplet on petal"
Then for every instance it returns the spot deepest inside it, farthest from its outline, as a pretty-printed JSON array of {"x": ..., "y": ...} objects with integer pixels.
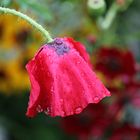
[
  {"x": 61, "y": 100},
  {"x": 48, "y": 73},
  {"x": 89, "y": 86},
  {"x": 62, "y": 113},
  {"x": 84, "y": 92},
  {"x": 96, "y": 99},
  {"x": 78, "y": 110},
  {"x": 78, "y": 62},
  {"x": 39, "y": 109},
  {"x": 47, "y": 111},
  {"x": 52, "y": 90}
]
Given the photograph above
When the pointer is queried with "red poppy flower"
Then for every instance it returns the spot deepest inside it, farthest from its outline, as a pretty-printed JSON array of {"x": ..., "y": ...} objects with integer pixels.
[
  {"x": 62, "y": 81},
  {"x": 114, "y": 62}
]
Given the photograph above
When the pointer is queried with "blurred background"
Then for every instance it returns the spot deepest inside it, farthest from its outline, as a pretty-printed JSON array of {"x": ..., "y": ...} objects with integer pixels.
[{"x": 110, "y": 30}]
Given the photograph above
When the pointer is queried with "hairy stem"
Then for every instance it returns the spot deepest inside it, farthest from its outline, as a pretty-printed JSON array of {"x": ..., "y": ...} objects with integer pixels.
[
  {"x": 106, "y": 22},
  {"x": 29, "y": 20}
]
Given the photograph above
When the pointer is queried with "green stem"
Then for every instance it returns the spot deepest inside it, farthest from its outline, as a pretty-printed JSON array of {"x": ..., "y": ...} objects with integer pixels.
[
  {"x": 106, "y": 22},
  {"x": 29, "y": 20}
]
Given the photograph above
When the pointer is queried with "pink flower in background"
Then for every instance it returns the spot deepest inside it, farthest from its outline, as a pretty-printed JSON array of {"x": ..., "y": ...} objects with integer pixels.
[{"x": 62, "y": 81}]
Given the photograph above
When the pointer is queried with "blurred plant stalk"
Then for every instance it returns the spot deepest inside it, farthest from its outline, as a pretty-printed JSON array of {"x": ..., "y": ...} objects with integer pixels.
[
  {"x": 97, "y": 7},
  {"x": 116, "y": 7}
]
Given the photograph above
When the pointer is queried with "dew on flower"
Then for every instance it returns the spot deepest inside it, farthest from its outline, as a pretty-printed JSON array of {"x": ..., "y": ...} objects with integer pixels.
[
  {"x": 78, "y": 110},
  {"x": 63, "y": 113},
  {"x": 89, "y": 86},
  {"x": 83, "y": 92},
  {"x": 64, "y": 75},
  {"x": 96, "y": 99},
  {"x": 69, "y": 77},
  {"x": 48, "y": 74},
  {"x": 78, "y": 62},
  {"x": 39, "y": 109},
  {"x": 47, "y": 111},
  {"x": 52, "y": 90},
  {"x": 61, "y": 100}
]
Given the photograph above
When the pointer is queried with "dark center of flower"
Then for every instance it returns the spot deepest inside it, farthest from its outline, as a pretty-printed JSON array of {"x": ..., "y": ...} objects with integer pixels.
[
  {"x": 2, "y": 74},
  {"x": 1, "y": 30},
  {"x": 113, "y": 64},
  {"x": 22, "y": 36},
  {"x": 59, "y": 46}
]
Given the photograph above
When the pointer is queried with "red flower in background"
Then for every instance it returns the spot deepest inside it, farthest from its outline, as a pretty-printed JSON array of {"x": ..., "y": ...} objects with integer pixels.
[
  {"x": 62, "y": 81},
  {"x": 131, "y": 93},
  {"x": 93, "y": 122},
  {"x": 82, "y": 124},
  {"x": 113, "y": 62},
  {"x": 125, "y": 133}
]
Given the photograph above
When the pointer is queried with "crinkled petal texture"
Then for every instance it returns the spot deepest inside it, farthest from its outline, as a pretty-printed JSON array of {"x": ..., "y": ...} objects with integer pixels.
[{"x": 62, "y": 81}]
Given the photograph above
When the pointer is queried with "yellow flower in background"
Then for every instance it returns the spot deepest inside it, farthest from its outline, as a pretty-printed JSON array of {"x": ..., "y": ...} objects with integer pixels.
[
  {"x": 4, "y": 78},
  {"x": 18, "y": 43},
  {"x": 19, "y": 72}
]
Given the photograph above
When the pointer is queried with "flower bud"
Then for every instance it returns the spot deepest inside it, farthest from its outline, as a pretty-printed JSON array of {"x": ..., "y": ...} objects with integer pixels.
[{"x": 96, "y": 7}]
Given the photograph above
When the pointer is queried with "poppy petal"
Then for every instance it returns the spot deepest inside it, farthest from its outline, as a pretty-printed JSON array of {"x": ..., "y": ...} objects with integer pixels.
[{"x": 62, "y": 82}]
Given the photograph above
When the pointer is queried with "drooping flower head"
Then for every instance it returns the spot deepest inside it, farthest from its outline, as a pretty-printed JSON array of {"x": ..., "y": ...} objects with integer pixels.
[{"x": 62, "y": 81}]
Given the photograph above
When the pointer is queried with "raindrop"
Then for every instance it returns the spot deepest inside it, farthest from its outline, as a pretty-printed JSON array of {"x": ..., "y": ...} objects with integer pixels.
[
  {"x": 47, "y": 111},
  {"x": 71, "y": 113},
  {"x": 39, "y": 109},
  {"x": 84, "y": 92},
  {"x": 62, "y": 113},
  {"x": 78, "y": 110},
  {"x": 96, "y": 99},
  {"x": 89, "y": 86},
  {"x": 52, "y": 90},
  {"x": 48, "y": 73},
  {"x": 78, "y": 62},
  {"x": 61, "y": 100}
]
